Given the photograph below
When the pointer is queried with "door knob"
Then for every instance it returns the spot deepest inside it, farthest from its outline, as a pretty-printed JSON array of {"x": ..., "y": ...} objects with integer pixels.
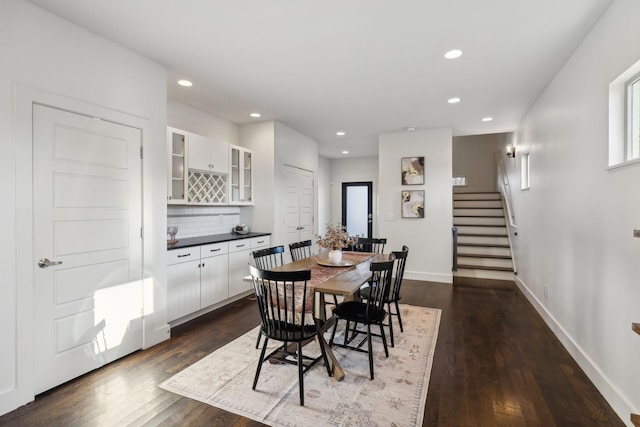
[{"x": 44, "y": 263}]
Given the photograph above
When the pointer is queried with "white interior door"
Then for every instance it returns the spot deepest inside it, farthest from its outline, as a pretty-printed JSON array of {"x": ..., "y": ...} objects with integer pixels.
[
  {"x": 87, "y": 224},
  {"x": 297, "y": 205}
]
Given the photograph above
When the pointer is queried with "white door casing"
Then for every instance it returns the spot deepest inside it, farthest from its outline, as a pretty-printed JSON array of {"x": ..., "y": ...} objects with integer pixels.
[
  {"x": 88, "y": 217},
  {"x": 297, "y": 205}
]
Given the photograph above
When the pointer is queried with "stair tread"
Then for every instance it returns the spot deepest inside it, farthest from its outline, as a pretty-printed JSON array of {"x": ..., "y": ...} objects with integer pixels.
[
  {"x": 482, "y": 235},
  {"x": 483, "y": 267},
  {"x": 485, "y": 245},
  {"x": 483, "y": 256},
  {"x": 477, "y": 207},
  {"x": 481, "y": 225}
]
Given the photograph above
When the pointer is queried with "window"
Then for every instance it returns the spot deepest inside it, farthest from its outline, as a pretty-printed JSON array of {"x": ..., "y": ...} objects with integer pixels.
[
  {"x": 524, "y": 171},
  {"x": 633, "y": 119},
  {"x": 624, "y": 118}
]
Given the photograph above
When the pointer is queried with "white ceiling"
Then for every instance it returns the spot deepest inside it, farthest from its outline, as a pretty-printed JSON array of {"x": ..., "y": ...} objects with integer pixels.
[{"x": 362, "y": 66}]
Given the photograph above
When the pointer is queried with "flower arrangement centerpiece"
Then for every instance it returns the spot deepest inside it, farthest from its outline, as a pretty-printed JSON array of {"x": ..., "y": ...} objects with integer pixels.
[{"x": 335, "y": 239}]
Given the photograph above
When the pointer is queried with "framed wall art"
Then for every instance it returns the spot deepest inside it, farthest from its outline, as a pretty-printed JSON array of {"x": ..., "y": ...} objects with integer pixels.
[
  {"x": 412, "y": 203},
  {"x": 412, "y": 169}
]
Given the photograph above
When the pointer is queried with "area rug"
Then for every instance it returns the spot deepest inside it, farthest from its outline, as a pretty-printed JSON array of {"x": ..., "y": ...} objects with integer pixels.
[{"x": 396, "y": 397}]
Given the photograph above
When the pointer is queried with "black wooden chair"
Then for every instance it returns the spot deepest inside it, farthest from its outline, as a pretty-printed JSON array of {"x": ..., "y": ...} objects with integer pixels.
[
  {"x": 300, "y": 250},
  {"x": 368, "y": 312},
  {"x": 376, "y": 245},
  {"x": 268, "y": 259},
  {"x": 394, "y": 294},
  {"x": 286, "y": 310}
]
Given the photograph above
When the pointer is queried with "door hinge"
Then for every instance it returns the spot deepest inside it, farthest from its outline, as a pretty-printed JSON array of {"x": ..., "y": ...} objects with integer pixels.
[
  {"x": 141, "y": 153},
  {"x": 141, "y": 233}
]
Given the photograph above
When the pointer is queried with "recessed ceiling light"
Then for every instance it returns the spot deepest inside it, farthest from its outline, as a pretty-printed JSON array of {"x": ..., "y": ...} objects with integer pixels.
[
  {"x": 345, "y": 152},
  {"x": 487, "y": 119},
  {"x": 341, "y": 133},
  {"x": 255, "y": 115},
  {"x": 185, "y": 83},
  {"x": 410, "y": 128},
  {"x": 453, "y": 100},
  {"x": 453, "y": 54}
]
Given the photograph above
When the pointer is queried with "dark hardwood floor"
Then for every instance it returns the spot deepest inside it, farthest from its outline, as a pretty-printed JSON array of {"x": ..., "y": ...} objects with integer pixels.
[{"x": 496, "y": 364}]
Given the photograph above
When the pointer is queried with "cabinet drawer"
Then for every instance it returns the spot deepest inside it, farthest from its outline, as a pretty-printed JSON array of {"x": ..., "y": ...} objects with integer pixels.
[
  {"x": 260, "y": 242},
  {"x": 176, "y": 256},
  {"x": 239, "y": 245},
  {"x": 214, "y": 249}
]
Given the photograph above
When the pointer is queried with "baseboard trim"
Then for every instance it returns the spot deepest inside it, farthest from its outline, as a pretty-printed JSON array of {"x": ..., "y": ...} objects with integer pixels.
[
  {"x": 620, "y": 404},
  {"x": 428, "y": 277}
]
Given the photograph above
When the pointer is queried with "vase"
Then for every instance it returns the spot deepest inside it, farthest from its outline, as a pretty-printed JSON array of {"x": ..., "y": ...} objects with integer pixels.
[{"x": 335, "y": 256}]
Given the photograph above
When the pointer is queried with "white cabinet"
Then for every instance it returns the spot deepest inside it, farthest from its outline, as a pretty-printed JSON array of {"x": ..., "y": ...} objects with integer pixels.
[
  {"x": 183, "y": 282},
  {"x": 177, "y": 185},
  {"x": 197, "y": 277},
  {"x": 201, "y": 276},
  {"x": 198, "y": 169},
  {"x": 239, "y": 259},
  {"x": 214, "y": 273},
  {"x": 240, "y": 176},
  {"x": 208, "y": 155}
]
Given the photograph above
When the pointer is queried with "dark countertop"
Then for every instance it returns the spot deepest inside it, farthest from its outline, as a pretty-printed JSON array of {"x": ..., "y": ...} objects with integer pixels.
[{"x": 213, "y": 238}]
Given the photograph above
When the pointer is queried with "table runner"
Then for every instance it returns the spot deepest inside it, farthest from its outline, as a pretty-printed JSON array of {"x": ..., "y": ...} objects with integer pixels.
[{"x": 319, "y": 274}]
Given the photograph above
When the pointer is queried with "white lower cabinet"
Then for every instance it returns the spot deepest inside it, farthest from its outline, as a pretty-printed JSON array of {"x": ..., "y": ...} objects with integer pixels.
[
  {"x": 183, "y": 282},
  {"x": 214, "y": 274},
  {"x": 201, "y": 276},
  {"x": 239, "y": 259}
]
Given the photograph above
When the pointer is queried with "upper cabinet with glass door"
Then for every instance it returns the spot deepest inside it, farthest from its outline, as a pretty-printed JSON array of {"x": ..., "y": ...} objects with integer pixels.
[
  {"x": 177, "y": 185},
  {"x": 241, "y": 176}
]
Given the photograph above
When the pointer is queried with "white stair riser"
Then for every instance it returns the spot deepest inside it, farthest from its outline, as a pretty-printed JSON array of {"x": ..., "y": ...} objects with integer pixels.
[
  {"x": 476, "y": 196},
  {"x": 479, "y": 250},
  {"x": 484, "y": 274},
  {"x": 477, "y": 204},
  {"x": 478, "y": 221},
  {"x": 466, "y": 229},
  {"x": 479, "y": 212},
  {"x": 483, "y": 240},
  {"x": 485, "y": 262}
]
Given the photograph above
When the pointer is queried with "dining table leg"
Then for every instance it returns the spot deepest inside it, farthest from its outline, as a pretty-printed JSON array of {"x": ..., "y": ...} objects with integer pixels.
[{"x": 334, "y": 365}]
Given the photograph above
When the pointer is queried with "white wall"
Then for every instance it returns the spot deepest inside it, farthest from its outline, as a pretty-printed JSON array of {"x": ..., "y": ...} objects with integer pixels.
[
  {"x": 361, "y": 169},
  {"x": 49, "y": 57},
  {"x": 293, "y": 148},
  {"x": 429, "y": 239},
  {"x": 474, "y": 157},
  {"x": 193, "y": 120},
  {"x": 260, "y": 137},
  {"x": 275, "y": 144},
  {"x": 323, "y": 183},
  {"x": 575, "y": 224}
]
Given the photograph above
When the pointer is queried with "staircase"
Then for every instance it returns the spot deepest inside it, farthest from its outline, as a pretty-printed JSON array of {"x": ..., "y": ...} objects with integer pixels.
[{"x": 483, "y": 242}]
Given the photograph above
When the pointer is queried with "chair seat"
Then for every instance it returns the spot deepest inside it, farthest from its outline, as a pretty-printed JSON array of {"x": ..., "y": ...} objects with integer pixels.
[
  {"x": 365, "y": 293},
  {"x": 283, "y": 331},
  {"x": 356, "y": 311}
]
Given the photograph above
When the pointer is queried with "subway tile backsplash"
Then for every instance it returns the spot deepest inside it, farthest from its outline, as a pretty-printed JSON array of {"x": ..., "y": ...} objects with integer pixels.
[{"x": 194, "y": 221}]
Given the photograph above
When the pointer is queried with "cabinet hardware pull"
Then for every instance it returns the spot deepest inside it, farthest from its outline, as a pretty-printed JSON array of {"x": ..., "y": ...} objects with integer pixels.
[
  {"x": 261, "y": 241},
  {"x": 239, "y": 246},
  {"x": 184, "y": 255},
  {"x": 215, "y": 250}
]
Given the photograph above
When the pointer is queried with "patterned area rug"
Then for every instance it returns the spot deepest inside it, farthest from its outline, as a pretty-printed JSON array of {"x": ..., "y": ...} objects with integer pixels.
[{"x": 396, "y": 397}]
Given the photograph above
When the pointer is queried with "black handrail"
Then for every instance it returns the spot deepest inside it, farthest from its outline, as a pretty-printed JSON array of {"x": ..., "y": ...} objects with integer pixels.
[{"x": 454, "y": 231}]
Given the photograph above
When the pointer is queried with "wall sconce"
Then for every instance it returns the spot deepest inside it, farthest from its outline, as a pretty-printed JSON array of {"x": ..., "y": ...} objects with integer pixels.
[{"x": 511, "y": 151}]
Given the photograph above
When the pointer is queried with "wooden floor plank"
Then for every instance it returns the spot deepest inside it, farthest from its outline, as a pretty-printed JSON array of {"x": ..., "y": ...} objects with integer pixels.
[{"x": 496, "y": 364}]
